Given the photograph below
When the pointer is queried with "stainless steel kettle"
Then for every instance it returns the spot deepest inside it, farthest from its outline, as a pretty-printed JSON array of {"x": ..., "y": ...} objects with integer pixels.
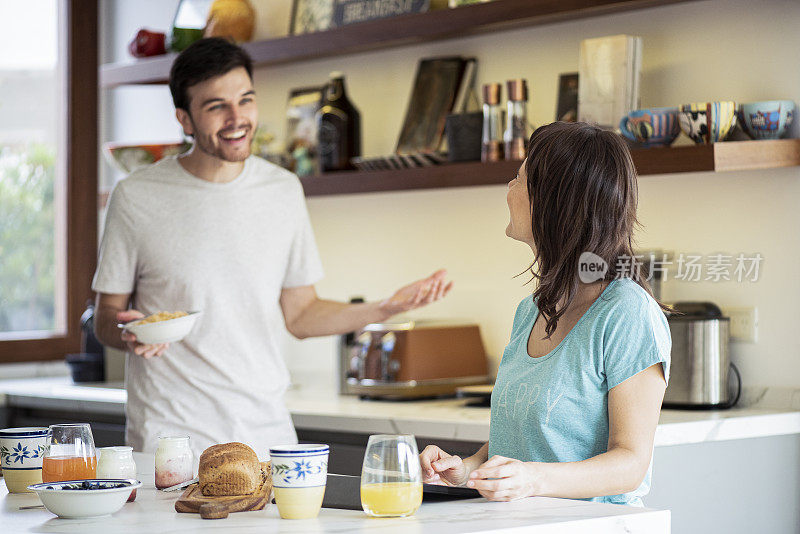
[{"x": 701, "y": 366}]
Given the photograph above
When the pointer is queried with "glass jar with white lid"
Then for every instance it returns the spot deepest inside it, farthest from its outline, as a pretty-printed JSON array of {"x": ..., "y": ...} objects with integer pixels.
[
  {"x": 174, "y": 461},
  {"x": 117, "y": 462}
]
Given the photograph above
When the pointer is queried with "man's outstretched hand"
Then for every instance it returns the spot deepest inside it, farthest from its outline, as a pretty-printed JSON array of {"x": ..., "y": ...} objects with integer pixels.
[{"x": 418, "y": 294}]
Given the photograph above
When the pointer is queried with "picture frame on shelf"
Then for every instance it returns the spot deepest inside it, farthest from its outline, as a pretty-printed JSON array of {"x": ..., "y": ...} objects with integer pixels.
[
  {"x": 347, "y": 12},
  {"x": 310, "y": 16},
  {"x": 460, "y": 3},
  {"x": 567, "y": 105}
]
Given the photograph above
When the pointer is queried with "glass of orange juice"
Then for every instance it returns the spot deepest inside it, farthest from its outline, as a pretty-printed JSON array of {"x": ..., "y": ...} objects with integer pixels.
[
  {"x": 391, "y": 479},
  {"x": 70, "y": 453}
]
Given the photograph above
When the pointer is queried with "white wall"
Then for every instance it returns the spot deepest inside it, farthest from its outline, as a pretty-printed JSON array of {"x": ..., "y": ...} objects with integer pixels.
[{"x": 738, "y": 49}]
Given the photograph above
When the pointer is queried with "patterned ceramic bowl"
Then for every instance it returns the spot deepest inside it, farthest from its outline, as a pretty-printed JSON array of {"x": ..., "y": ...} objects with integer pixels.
[
  {"x": 708, "y": 122},
  {"x": 21, "y": 451},
  {"x": 651, "y": 126},
  {"x": 768, "y": 119},
  {"x": 76, "y": 499}
]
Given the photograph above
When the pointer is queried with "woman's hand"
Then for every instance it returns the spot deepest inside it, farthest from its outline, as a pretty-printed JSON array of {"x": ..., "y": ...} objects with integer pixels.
[
  {"x": 438, "y": 467},
  {"x": 506, "y": 479}
]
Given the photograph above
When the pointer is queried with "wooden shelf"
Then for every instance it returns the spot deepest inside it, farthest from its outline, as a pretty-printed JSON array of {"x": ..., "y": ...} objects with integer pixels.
[
  {"x": 728, "y": 156},
  {"x": 393, "y": 32}
]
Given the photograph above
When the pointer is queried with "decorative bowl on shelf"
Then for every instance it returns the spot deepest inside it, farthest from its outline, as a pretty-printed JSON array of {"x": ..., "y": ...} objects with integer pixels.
[
  {"x": 128, "y": 158},
  {"x": 768, "y": 119},
  {"x": 708, "y": 122},
  {"x": 650, "y": 127}
]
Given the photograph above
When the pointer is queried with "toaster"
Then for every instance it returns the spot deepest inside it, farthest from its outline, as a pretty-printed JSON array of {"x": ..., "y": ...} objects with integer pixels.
[{"x": 412, "y": 359}]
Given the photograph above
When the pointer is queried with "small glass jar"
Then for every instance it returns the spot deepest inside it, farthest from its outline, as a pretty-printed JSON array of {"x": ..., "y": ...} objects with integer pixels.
[
  {"x": 117, "y": 462},
  {"x": 174, "y": 461}
]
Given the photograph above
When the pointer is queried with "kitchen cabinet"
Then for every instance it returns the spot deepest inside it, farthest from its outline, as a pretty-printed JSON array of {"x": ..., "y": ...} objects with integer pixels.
[{"x": 497, "y": 16}]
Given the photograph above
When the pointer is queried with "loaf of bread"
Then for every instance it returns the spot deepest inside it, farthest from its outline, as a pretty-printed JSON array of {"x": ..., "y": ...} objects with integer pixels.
[{"x": 231, "y": 469}]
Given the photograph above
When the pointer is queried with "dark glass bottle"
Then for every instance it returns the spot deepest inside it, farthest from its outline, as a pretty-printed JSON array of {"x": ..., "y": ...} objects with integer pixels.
[{"x": 338, "y": 127}]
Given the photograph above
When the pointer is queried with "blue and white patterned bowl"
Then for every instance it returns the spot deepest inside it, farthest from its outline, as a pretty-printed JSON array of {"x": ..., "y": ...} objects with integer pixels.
[
  {"x": 65, "y": 499},
  {"x": 21, "y": 451},
  {"x": 299, "y": 466}
]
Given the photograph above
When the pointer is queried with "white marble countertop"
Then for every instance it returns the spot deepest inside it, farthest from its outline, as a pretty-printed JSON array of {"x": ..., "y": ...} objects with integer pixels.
[
  {"x": 320, "y": 408},
  {"x": 154, "y": 512}
]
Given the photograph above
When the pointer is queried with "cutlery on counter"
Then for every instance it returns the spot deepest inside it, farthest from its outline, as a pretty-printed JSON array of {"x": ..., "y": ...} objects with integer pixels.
[{"x": 182, "y": 485}]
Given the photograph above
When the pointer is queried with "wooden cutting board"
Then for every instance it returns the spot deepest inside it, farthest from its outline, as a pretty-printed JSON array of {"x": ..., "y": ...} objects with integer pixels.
[{"x": 193, "y": 500}]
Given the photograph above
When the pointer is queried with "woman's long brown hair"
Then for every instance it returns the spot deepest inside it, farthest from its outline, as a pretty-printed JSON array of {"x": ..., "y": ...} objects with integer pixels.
[{"x": 583, "y": 194}]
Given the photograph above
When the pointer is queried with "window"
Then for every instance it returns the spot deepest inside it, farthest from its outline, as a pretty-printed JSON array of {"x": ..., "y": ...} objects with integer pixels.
[{"x": 48, "y": 174}]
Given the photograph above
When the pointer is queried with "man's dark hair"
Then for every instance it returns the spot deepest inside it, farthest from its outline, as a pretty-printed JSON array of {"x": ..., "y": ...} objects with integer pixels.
[{"x": 201, "y": 61}]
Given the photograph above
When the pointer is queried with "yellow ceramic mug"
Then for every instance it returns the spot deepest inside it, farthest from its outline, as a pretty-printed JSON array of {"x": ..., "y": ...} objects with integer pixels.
[
  {"x": 299, "y": 475},
  {"x": 21, "y": 451}
]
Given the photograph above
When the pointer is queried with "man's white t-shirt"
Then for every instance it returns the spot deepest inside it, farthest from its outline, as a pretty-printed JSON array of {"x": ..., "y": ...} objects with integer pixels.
[{"x": 177, "y": 242}]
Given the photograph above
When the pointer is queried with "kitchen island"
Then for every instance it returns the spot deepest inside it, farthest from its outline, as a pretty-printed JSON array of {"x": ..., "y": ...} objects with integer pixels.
[
  {"x": 153, "y": 512},
  {"x": 735, "y": 470}
]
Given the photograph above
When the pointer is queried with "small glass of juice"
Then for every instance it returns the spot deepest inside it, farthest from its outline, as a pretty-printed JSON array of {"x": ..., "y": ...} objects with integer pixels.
[
  {"x": 391, "y": 478},
  {"x": 70, "y": 453}
]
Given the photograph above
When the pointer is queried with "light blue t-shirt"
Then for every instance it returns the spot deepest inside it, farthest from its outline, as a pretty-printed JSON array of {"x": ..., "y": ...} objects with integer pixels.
[{"x": 555, "y": 408}]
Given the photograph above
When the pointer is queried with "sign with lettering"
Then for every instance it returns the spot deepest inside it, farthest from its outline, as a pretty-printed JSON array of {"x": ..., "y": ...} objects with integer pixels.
[{"x": 352, "y": 11}]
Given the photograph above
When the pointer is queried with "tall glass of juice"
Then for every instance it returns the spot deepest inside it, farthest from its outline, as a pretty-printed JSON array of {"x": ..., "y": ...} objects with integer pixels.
[
  {"x": 70, "y": 453},
  {"x": 391, "y": 479}
]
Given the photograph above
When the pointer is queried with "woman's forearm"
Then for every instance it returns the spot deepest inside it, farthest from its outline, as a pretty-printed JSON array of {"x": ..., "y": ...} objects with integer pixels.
[{"x": 617, "y": 471}]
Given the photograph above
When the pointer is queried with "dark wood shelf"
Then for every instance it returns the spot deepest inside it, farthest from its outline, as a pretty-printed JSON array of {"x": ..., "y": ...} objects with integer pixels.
[
  {"x": 728, "y": 156},
  {"x": 494, "y": 16}
]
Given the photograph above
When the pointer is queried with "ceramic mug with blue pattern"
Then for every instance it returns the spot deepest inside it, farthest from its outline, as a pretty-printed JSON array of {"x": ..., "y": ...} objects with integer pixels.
[
  {"x": 21, "y": 452},
  {"x": 299, "y": 476},
  {"x": 651, "y": 127},
  {"x": 768, "y": 119}
]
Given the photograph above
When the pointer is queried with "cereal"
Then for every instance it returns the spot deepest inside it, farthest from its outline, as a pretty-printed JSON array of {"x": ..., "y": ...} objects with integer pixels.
[{"x": 161, "y": 316}]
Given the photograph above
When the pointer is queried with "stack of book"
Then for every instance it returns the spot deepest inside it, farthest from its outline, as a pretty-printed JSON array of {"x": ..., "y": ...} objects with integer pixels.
[
  {"x": 442, "y": 86},
  {"x": 609, "y": 72}
]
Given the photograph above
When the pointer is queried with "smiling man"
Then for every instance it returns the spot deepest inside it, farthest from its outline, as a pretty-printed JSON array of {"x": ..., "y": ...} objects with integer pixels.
[{"x": 226, "y": 233}]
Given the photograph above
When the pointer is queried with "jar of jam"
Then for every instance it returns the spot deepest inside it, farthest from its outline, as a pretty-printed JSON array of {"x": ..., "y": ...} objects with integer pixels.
[
  {"x": 174, "y": 461},
  {"x": 117, "y": 462}
]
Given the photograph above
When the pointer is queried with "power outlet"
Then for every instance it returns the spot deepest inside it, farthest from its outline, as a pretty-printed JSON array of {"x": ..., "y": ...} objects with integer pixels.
[{"x": 744, "y": 324}]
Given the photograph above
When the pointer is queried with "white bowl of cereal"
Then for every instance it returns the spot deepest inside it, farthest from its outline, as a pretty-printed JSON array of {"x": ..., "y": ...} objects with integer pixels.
[{"x": 162, "y": 327}]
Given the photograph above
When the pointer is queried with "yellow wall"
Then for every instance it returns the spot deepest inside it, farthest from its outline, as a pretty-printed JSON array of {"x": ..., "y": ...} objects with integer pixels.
[{"x": 741, "y": 50}]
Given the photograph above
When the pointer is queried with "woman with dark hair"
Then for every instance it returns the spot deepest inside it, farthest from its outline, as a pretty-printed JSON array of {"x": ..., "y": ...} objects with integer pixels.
[{"x": 580, "y": 385}]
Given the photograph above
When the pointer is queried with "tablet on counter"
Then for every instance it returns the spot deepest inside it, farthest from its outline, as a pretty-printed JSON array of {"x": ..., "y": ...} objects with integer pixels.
[{"x": 344, "y": 491}]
